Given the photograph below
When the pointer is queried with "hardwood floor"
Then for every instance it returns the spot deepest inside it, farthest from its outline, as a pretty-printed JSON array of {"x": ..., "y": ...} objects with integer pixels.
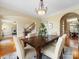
[
  {"x": 6, "y": 47},
  {"x": 76, "y": 53}
]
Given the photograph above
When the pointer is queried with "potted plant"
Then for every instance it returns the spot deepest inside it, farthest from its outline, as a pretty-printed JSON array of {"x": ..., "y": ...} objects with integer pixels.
[{"x": 42, "y": 30}]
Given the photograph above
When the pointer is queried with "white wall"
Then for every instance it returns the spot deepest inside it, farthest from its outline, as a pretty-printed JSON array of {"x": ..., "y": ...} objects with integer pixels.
[
  {"x": 0, "y": 27},
  {"x": 55, "y": 19},
  {"x": 7, "y": 28},
  {"x": 22, "y": 22},
  {"x": 25, "y": 22}
]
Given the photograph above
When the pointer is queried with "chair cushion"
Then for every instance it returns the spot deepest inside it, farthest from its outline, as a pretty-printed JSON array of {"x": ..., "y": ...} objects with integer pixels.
[
  {"x": 49, "y": 50},
  {"x": 30, "y": 53},
  {"x": 28, "y": 46}
]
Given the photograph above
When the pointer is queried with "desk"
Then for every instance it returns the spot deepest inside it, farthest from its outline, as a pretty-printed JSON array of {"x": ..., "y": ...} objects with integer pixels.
[{"x": 38, "y": 42}]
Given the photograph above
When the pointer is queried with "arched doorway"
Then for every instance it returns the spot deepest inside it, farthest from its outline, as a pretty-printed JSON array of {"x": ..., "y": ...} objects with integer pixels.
[
  {"x": 66, "y": 21},
  {"x": 69, "y": 23}
]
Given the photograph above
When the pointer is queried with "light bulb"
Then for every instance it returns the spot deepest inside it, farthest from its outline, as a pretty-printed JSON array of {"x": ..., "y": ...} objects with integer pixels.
[{"x": 41, "y": 12}]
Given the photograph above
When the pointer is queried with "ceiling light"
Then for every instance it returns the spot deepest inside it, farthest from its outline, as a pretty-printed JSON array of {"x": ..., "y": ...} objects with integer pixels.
[{"x": 42, "y": 9}]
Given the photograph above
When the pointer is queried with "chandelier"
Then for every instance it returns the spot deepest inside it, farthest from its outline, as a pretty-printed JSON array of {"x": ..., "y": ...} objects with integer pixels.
[{"x": 42, "y": 9}]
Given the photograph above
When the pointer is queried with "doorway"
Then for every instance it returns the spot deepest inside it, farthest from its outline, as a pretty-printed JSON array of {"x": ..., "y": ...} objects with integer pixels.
[
  {"x": 68, "y": 23},
  {"x": 8, "y": 28}
]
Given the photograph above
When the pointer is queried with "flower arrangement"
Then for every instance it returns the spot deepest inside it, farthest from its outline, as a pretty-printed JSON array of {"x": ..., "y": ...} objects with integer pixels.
[{"x": 42, "y": 30}]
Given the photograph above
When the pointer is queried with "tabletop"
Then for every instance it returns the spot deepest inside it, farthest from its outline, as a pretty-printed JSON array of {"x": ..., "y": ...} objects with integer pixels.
[{"x": 37, "y": 41}]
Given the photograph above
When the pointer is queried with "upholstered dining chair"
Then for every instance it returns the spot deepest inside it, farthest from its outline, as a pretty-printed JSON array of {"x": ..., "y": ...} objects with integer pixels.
[
  {"x": 21, "y": 52},
  {"x": 54, "y": 52}
]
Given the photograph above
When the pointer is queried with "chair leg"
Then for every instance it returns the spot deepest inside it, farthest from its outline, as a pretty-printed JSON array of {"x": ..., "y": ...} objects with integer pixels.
[
  {"x": 63, "y": 50},
  {"x": 17, "y": 57},
  {"x": 61, "y": 56}
]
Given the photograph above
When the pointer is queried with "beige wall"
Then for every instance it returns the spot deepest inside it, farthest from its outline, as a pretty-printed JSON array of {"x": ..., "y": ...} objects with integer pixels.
[
  {"x": 22, "y": 22},
  {"x": 7, "y": 28},
  {"x": 0, "y": 27},
  {"x": 55, "y": 19},
  {"x": 21, "y": 19}
]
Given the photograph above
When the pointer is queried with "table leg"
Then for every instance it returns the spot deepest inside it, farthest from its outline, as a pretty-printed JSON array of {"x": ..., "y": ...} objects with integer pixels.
[
  {"x": 38, "y": 52},
  {"x": 25, "y": 44}
]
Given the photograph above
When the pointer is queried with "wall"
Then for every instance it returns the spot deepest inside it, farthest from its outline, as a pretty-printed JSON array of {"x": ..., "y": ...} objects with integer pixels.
[
  {"x": 7, "y": 28},
  {"x": 25, "y": 22},
  {"x": 22, "y": 22},
  {"x": 55, "y": 19},
  {"x": 0, "y": 27},
  {"x": 21, "y": 19}
]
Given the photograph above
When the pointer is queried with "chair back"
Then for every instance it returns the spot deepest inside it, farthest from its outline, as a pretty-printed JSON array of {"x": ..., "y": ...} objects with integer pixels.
[
  {"x": 59, "y": 46},
  {"x": 64, "y": 38},
  {"x": 19, "y": 47}
]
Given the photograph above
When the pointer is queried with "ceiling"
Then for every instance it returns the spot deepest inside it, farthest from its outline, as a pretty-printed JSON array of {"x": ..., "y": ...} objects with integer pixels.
[{"x": 28, "y": 6}]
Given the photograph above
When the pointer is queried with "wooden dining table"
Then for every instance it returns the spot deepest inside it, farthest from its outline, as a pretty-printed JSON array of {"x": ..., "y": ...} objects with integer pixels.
[{"x": 39, "y": 42}]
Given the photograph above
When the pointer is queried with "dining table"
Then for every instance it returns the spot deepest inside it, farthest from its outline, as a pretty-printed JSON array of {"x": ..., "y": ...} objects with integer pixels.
[{"x": 39, "y": 42}]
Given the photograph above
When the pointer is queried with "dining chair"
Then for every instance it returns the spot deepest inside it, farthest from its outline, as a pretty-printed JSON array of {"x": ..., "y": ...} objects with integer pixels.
[
  {"x": 21, "y": 52},
  {"x": 60, "y": 47},
  {"x": 54, "y": 52}
]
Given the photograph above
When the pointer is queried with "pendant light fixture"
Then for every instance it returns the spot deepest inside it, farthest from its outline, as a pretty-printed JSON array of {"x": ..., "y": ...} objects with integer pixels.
[{"x": 42, "y": 9}]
